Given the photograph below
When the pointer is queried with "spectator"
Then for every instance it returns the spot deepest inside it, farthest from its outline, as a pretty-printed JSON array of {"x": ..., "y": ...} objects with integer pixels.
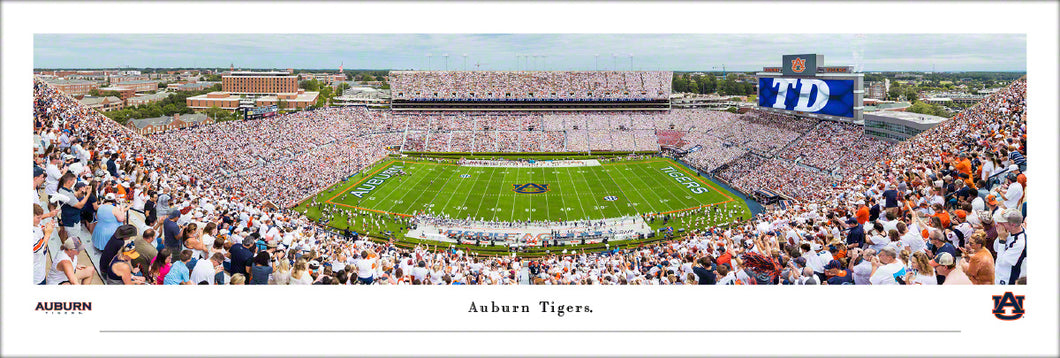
[
  {"x": 259, "y": 273},
  {"x": 837, "y": 274},
  {"x": 945, "y": 266},
  {"x": 41, "y": 235},
  {"x": 242, "y": 256},
  {"x": 113, "y": 256},
  {"x": 66, "y": 271},
  {"x": 1011, "y": 248},
  {"x": 160, "y": 267},
  {"x": 179, "y": 273},
  {"x": 977, "y": 263},
  {"x": 921, "y": 272},
  {"x": 886, "y": 269},
  {"x": 205, "y": 271},
  {"x": 110, "y": 216},
  {"x": 72, "y": 198},
  {"x": 172, "y": 231},
  {"x": 146, "y": 248},
  {"x": 301, "y": 275}
]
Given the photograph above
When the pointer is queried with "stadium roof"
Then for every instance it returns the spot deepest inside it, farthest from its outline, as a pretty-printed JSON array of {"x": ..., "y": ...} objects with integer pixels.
[
  {"x": 164, "y": 120},
  {"x": 91, "y": 101}
]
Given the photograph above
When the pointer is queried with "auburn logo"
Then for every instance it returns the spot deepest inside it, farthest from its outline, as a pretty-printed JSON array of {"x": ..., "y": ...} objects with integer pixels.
[
  {"x": 530, "y": 188},
  {"x": 798, "y": 65},
  {"x": 1012, "y": 302}
]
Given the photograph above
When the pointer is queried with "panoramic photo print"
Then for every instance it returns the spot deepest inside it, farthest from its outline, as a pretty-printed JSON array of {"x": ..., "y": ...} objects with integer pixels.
[{"x": 529, "y": 159}]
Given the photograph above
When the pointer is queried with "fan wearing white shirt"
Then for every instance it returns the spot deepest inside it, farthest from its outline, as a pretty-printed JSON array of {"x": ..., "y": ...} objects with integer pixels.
[
  {"x": 205, "y": 271},
  {"x": 886, "y": 269}
]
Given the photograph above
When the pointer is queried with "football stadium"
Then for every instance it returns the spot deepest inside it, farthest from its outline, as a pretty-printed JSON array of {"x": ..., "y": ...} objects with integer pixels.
[{"x": 540, "y": 178}]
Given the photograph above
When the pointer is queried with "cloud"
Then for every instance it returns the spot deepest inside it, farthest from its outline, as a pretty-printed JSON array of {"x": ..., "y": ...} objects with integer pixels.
[{"x": 680, "y": 52}]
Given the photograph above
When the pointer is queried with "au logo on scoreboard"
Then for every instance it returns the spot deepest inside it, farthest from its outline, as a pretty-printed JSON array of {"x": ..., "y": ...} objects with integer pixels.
[
  {"x": 798, "y": 65},
  {"x": 530, "y": 188}
]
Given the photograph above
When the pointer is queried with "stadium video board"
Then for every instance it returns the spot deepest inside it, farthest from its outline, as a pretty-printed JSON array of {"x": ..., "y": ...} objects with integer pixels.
[
  {"x": 809, "y": 95},
  {"x": 261, "y": 112}
]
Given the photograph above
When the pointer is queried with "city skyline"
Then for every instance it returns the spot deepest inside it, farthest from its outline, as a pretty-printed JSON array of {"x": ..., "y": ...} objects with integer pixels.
[{"x": 504, "y": 52}]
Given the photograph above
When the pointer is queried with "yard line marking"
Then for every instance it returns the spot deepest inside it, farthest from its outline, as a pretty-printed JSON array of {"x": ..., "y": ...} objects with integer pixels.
[
  {"x": 479, "y": 208},
  {"x": 634, "y": 189},
  {"x": 458, "y": 185},
  {"x": 576, "y": 194},
  {"x": 406, "y": 192},
  {"x": 414, "y": 202},
  {"x": 613, "y": 203},
  {"x": 591, "y": 192}
]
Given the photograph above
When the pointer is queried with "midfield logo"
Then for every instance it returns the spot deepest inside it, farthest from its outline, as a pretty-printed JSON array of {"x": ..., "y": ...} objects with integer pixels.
[
  {"x": 1015, "y": 303},
  {"x": 530, "y": 188},
  {"x": 798, "y": 65}
]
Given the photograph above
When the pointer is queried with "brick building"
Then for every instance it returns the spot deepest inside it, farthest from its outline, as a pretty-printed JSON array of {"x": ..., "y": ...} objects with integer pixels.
[
  {"x": 145, "y": 99},
  {"x": 103, "y": 104},
  {"x": 299, "y": 100},
  {"x": 124, "y": 92},
  {"x": 223, "y": 100},
  {"x": 259, "y": 83},
  {"x": 115, "y": 80},
  {"x": 74, "y": 87},
  {"x": 140, "y": 85},
  {"x": 191, "y": 87},
  {"x": 167, "y": 123}
]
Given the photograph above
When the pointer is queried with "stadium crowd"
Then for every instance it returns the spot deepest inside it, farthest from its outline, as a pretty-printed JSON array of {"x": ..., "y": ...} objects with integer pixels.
[
  {"x": 944, "y": 207},
  {"x": 523, "y": 85}
]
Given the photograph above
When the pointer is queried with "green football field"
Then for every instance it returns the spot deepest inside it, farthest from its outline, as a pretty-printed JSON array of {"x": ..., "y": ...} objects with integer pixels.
[{"x": 655, "y": 185}]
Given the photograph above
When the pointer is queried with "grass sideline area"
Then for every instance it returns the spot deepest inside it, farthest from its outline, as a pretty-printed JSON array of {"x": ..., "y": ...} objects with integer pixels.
[{"x": 617, "y": 187}]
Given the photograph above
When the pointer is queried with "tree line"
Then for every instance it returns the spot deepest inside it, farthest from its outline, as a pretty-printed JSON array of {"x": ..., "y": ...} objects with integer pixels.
[
  {"x": 174, "y": 103},
  {"x": 707, "y": 84}
]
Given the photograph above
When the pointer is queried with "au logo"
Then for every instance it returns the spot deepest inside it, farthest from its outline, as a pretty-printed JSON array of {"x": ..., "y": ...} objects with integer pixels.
[
  {"x": 1015, "y": 303},
  {"x": 798, "y": 65},
  {"x": 530, "y": 188}
]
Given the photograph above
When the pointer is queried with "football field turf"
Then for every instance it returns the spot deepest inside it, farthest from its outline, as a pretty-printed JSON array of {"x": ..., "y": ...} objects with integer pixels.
[{"x": 655, "y": 185}]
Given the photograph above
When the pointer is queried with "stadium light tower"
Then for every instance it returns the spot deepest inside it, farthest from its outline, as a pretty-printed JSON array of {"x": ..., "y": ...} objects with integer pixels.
[
  {"x": 446, "y": 61},
  {"x": 465, "y": 62},
  {"x": 428, "y": 62},
  {"x": 614, "y": 61},
  {"x": 631, "y": 62}
]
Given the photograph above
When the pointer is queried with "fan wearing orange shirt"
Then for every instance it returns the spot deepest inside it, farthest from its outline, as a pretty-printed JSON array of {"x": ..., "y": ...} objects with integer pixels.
[
  {"x": 863, "y": 213},
  {"x": 944, "y": 217},
  {"x": 963, "y": 164}
]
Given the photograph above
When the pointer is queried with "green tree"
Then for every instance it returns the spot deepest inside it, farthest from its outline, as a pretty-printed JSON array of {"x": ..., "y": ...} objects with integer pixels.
[
  {"x": 911, "y": 94},
  {"x": 693, "y": 87}
]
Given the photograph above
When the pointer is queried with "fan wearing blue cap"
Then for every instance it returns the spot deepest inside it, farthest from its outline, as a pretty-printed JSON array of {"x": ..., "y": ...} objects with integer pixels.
[
  {"x": 837, "y": 274},
  {"x": 856, "y": 236}
]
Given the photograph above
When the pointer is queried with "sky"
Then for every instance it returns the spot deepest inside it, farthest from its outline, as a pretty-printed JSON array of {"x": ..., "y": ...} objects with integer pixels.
[{"x": 504, "y": 52}]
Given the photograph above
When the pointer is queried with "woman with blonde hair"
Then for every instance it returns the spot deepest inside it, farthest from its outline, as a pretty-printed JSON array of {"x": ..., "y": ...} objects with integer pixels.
[
  {"x": 300, "y": 274},
  {"x": 920, "y": 270},
  {"x": 239, "y": 279},
  {"x": 282, "y": 275}
]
